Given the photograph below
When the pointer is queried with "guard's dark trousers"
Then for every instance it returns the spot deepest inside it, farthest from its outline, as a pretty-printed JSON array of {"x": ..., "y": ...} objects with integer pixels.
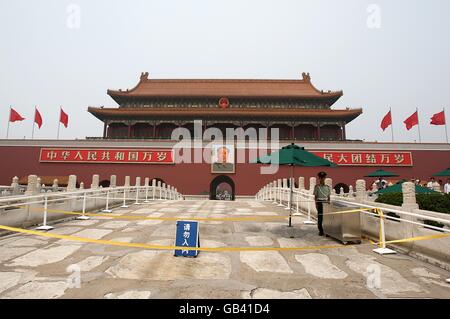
[{"x": 319, "y": 206}]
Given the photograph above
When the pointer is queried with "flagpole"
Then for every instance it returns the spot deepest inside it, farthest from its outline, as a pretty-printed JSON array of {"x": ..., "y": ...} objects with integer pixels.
[
  {"x": 34, "y": 121},
  {"x": 9, "y": 118},
  {"x": 392, "y": 125},
  {"x": 59, "y": 123},
  {"x": 418, "y": 125},
  {"x": 445, "y": 125}
]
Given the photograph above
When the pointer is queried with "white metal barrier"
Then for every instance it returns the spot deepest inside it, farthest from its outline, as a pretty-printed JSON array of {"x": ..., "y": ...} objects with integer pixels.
[
  {"x": 124, "y": 194},
  {"x": 304, "y": 199}
]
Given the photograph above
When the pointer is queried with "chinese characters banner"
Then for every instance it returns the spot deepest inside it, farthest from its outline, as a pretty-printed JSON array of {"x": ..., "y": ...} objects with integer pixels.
[
  {"x": 147, "y": 156},
  {"x": 367, "y": 158}
]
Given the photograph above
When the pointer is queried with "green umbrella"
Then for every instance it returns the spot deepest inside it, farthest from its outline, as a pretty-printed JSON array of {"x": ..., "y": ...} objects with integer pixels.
[
  {"x": 445, "y": 172},
  {"x": 381, "y": 173},
  {"x": 293, "y": 155},
  {"x": 397, "y": 188}
]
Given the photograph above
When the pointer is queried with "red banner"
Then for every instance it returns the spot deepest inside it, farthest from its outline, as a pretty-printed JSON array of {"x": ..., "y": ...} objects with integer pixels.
[
  {"x": 112, "y": 156},
  {"x": 367, "y": 158}
]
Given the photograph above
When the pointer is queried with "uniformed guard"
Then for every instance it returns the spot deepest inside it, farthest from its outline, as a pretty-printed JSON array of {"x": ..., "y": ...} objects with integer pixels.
[{"x": 322, "y": 194}]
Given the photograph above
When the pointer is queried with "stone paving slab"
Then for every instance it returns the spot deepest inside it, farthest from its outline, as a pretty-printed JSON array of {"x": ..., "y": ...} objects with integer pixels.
[{"x": 39, "y": 267}]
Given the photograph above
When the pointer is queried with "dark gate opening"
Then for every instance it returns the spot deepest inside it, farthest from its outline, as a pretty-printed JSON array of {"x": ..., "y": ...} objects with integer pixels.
[
  {"x": 338, "y": 186},
  {"x": 104, "y": 183},
  {"x": 222, "y": 188}
]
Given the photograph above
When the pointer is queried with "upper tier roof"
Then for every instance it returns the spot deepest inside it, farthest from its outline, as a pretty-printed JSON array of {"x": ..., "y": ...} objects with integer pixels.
[
  {"x": 103, "y": 114},
  {"x": 150, "y": 88}
]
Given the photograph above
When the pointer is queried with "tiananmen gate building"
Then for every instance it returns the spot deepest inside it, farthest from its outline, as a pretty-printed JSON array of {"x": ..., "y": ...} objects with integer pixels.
[{"x": 138, "y": 141}]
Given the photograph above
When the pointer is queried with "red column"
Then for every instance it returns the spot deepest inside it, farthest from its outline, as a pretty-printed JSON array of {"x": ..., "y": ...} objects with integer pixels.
[
  {"x": 129, "y": 130},
  {"x": 318, "y": 131},
  {"x": 105, "y": 126},
  {"x": 344, "y": 135}
]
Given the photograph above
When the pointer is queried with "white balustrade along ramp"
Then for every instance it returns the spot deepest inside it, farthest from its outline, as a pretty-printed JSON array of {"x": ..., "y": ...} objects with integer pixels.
[{"x": 42, "y": 206}]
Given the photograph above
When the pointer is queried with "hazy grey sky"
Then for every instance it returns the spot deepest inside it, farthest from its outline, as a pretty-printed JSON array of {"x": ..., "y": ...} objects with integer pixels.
[{"x": 46, "y": 60}]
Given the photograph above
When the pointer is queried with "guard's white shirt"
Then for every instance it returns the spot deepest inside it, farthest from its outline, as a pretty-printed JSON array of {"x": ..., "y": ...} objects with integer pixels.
[
  {"x": 430, "y": 185},
  {"x": 447, "y": 188}
]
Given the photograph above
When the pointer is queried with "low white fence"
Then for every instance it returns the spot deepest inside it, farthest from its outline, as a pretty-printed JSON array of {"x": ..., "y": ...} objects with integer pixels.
[{"x": 26, "y": 211}]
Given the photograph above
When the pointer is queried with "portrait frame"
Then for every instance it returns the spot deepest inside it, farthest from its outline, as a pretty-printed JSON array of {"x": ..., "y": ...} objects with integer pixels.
[{"x": 223, "y": 159}]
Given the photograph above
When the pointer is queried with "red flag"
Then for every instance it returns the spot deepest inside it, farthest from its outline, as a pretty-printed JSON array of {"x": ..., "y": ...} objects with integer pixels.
[
  {"x": 14, "y": 116},
  {"x": 64, "y": 118},
  {"x": 411, "y": 121},
  {"x": 438, "y": 118},
  {"x": 37, "y": 118},
  {"x": 387, "y": 120}
]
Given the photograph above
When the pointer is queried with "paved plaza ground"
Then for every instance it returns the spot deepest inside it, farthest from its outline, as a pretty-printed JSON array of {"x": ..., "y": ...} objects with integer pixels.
[{"x": 40, "y": 267}]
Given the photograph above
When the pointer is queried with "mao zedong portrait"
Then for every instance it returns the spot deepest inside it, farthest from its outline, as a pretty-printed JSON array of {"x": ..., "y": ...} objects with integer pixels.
[{"x": 222, "y": 161}]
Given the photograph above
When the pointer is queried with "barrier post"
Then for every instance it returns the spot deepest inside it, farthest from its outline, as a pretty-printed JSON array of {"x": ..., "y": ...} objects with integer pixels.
[
  {"x": 382, "y": 249},
  {"x": 288, "y": 199},
  {"x": 274, "y": 192},
  {"x": 137, "y": 195},
  {"x": 107, "y": 210},
  {"x": 44, "y": 224},
  {"x": 83, "y": 217},
  {"x": 146, "y": 194},
  {"x": 124, "y": 205},
  {"x": 153, "y": 188},
  {"x": 309, "y": 221},
  {"x": 280, "y": 196}
]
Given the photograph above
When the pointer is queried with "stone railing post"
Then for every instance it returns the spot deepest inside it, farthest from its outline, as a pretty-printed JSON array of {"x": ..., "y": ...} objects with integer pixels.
[
  {"x": 72, "y": 183},
  {"x": 127, "y": 181},
  {"x": 153, "y": 188},
  {"x": 159, "y": 190},
  {"x": 55, "y": 185},
  {"x": 409, "y": 196},
  {"x": 409, "y": 204},
  {"x": 31, "y": 185},
  {"x": 127, "y": 184},
  {"x": 15, "y": 189},
  {"x": 81, "y": 185},
  {"x": 95, "y": 181},
  {"x": 113, "y": 181},
  {"x": 312, "y": 184},
  {"x": 361, "y": 190},
  {"x": 301, "y": 183},
  {"x": 329, "y": 182},
  {"x": 38, "y": 185}
]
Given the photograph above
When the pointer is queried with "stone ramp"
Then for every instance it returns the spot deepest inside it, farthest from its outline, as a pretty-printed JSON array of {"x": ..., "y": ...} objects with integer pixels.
[{"x": 39, "y": 267}]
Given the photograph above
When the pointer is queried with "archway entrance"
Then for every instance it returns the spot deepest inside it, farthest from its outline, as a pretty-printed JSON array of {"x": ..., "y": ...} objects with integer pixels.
[
  {"x": 222, "y": 188},
  {"x": 105, "y": 183},
  {"x": 338, "y": 186}
]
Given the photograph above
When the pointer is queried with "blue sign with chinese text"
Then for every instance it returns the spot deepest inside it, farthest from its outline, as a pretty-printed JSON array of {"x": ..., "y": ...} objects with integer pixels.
[{"x": 187, "y": 236}]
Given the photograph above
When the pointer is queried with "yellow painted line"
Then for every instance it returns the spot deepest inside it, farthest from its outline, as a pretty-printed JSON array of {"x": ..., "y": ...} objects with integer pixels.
[
  {"x": 161, "y": 247},
  {"x": 349, "y": 211},
  {"x": 134, "y": 217}
]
